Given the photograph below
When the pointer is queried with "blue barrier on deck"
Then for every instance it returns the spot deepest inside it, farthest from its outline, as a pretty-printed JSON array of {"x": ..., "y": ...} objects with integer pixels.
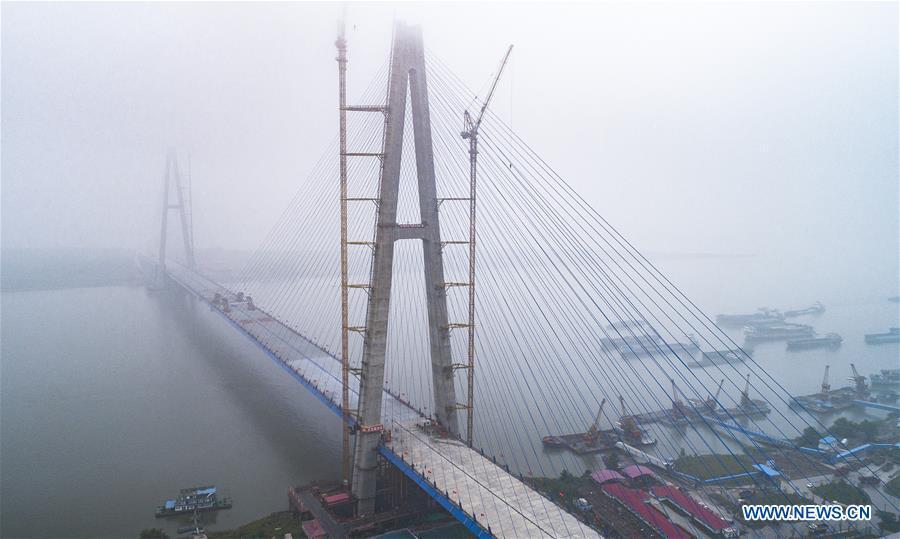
[
  {"x": 445, "y": 502},
  {"x": 303, "y": 381}
]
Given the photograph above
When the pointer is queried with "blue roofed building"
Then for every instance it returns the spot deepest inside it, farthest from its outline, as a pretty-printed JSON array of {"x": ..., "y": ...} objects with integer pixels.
[{"x": 828, "y": 443}]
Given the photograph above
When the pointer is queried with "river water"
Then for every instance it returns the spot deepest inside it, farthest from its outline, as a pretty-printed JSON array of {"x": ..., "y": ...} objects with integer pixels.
[{"x": 113, "y": 398}]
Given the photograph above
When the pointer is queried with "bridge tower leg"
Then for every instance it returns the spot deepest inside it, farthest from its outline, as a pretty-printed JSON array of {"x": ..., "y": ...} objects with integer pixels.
[
  {"x": 173, "y": 176},
  {"x": 407, "y": 76}
]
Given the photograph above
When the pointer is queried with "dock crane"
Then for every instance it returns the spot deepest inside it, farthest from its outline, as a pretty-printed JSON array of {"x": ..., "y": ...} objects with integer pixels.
[
  {"x": 711, "y": 402},
  {"x": 676, "y": 402},
  {"x": 826, "y": 387},
  {"x": 594, "y": 431},
  {"x": 622, "y": 407},
  {"x": 470, "y": 132},
  {"x": 679, "y": 409},
  {"x": 750, "y": 406},
  {"x": 859, "y": 382},
  {"x": 746, "y": 402},
  {"x": 626, "y": 422},
  {"x": 628, "y": 427}
]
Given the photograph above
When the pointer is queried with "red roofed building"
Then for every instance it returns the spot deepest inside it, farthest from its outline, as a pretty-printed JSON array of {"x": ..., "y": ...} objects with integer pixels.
[
  {"x": 605, "y": 476},
  {"x": 636, "y": 502},
  {"x": 313, "y": 529},
  {"x": 635, "y": 470},
  {"x": 335, "y": 499},
  {"x": 702, "y": 515}
]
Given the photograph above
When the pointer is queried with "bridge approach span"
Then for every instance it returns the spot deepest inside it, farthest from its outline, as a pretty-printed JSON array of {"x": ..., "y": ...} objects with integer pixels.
[{"x": 487, "y": 499}]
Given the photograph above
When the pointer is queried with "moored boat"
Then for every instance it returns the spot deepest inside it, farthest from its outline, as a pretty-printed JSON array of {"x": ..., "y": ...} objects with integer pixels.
[
  {"x": 893, "y": 335},
  {"x": 631, "y": 433},
  {"x": 778, "y": 332},
  {"x": 719, "y": 357},
  {"x": 553, "y": 441},
  {"x": 815, "y": 308},
  {"x": 763, "y": 316},
  {"x": 887, "y": 377},
  {"x": 194, "y": 499},
  {"x": 829, "y": 340}
]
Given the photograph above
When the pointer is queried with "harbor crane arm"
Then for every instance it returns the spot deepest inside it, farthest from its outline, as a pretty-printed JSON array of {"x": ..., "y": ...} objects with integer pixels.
[
  {"x": 675, "y": 399},
  {"x": 596, "y": 424},
  {"x": 826, "y": 387},
  {"x": 856, "y": 377},
  {"x": 858, "y": 381},
  {"x": 719, "y": 390},
  {"x": 715, "y": 398}
]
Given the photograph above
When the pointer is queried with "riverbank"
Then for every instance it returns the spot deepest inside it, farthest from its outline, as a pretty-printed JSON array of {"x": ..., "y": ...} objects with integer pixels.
[{"x": 274, "y": 525}]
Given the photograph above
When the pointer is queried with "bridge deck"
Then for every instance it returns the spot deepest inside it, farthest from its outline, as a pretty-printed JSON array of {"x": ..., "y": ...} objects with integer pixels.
[
  {"x": 481, "y": 494},
  {"x": 499, "y": 500}
]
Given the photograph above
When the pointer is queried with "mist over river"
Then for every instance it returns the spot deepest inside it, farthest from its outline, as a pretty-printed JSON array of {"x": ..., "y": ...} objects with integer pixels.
[{"x": 115, "y": 397}]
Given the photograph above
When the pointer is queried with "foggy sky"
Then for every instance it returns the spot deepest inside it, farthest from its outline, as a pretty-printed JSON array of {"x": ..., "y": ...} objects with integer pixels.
[{"x": 709, "y": 127}]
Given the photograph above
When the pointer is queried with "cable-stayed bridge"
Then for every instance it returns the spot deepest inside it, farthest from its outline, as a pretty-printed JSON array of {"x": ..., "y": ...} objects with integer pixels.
[{"x": 365, "y": 292}]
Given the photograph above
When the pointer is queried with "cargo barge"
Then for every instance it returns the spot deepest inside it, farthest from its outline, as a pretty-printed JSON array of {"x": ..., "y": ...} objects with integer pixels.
[
  {"x": 687, "y": 348},
  {"x": 583, "y": 443},
  {"x": 719, "y": 357},
  {"x": 887, "y": 378},
  {"x": 892, "y": 336},
  {"x": 638, "y": 339},
  {"x": 820, "y": 404},
  {"x": 815, "y": 308},
  {"x": 692, "y": 410},
  {"x": 763, "y": 316},
  {"x": 592, "y": 441},
  {"x": 829, "y": 340},
  {"x": 632, "y": 434},
  {"x": 777, "y": 332},
  {"x": 887, "y": 397}
]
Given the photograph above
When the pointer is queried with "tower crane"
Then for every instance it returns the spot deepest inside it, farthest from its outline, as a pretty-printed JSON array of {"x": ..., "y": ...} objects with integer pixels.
[
  {"x": 470, "y": 132},
  {"x": 470, "y": 127}
]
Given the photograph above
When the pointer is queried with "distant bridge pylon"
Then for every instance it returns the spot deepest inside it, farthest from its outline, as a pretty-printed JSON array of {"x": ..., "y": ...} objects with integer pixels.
[{"x": 182, "y": 204}]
